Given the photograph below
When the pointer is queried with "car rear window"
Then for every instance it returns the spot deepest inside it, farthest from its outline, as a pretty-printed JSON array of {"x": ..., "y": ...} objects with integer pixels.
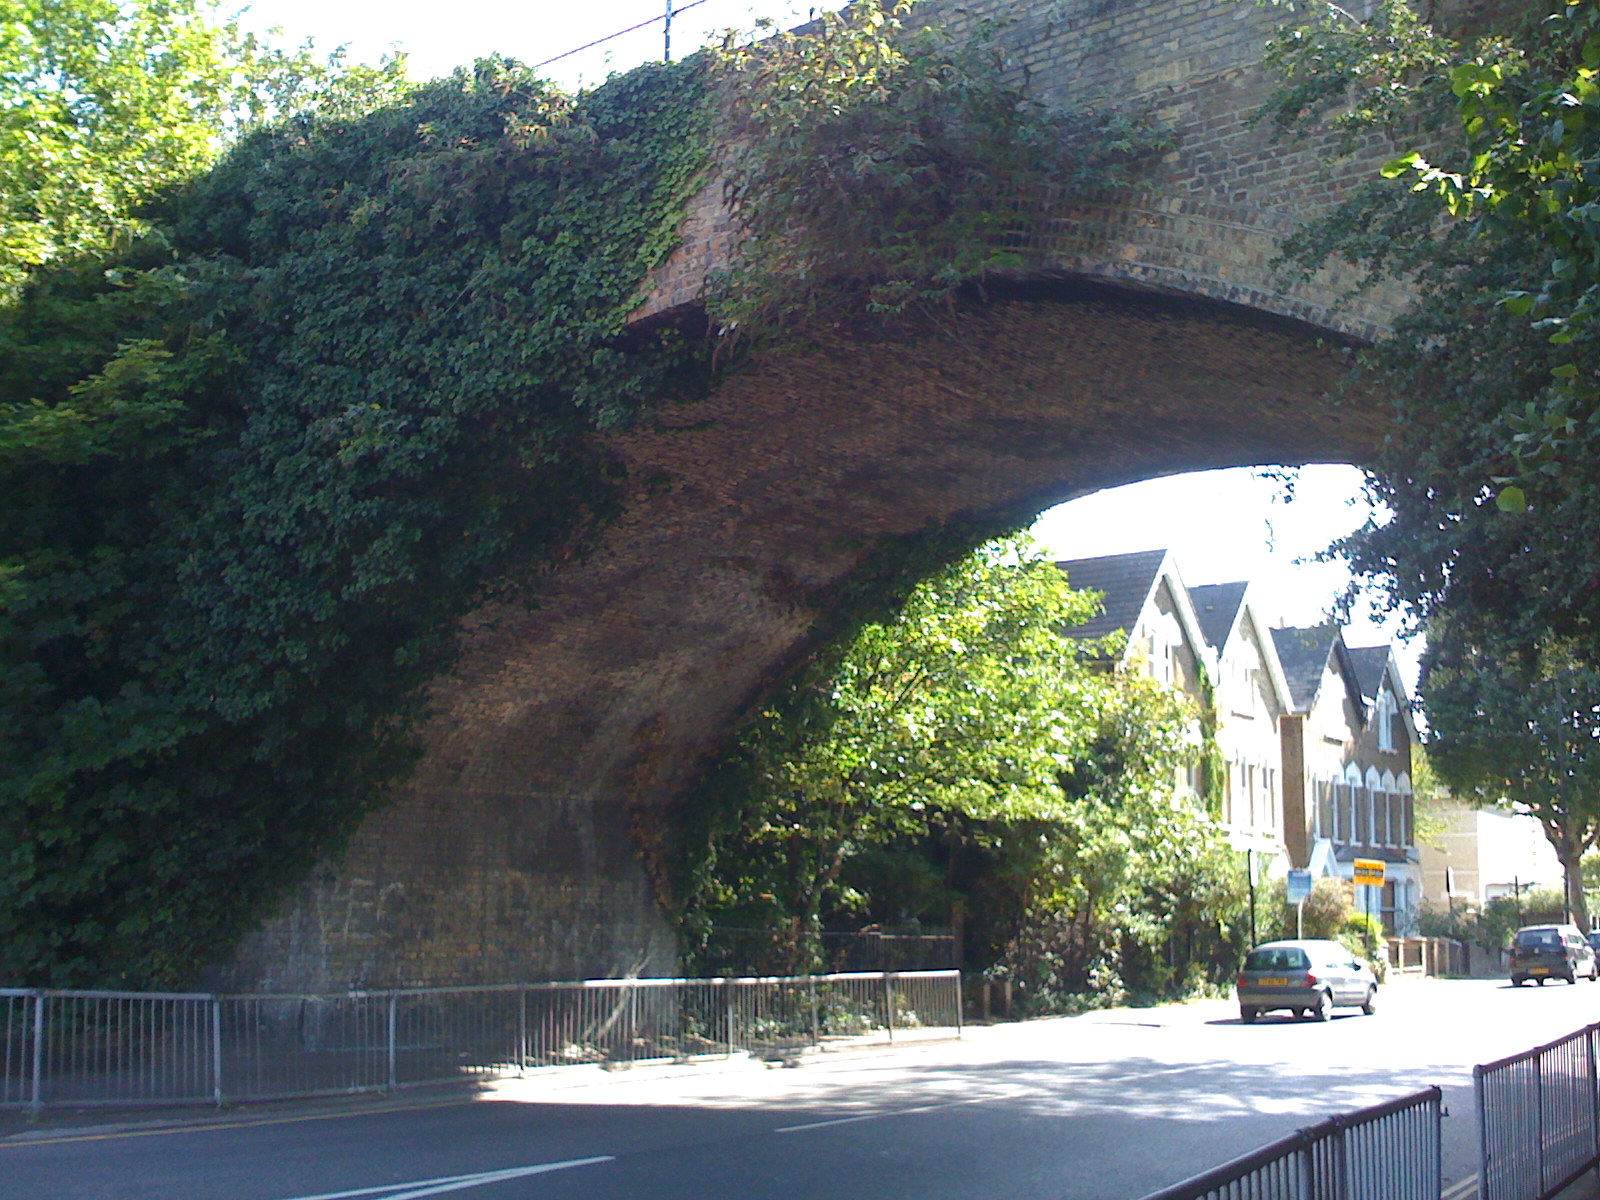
[
  {"x": 1531, "y": 939},
  {"x": 1282, "y": 958}
]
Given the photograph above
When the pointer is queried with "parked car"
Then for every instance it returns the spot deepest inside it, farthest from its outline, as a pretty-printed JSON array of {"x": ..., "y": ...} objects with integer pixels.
[
  {"x": 1309, "y": 977},
  {"x": 1541, "y": 952}
]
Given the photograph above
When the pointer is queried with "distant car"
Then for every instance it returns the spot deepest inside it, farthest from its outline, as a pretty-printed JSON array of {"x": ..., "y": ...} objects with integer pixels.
[
  {"x": 1541, "y": 952},
  {"x": 1309, "y": 977}
]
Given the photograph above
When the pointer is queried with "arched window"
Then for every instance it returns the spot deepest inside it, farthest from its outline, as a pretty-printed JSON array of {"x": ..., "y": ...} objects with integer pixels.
[
  {"x": 1374, "y": 788},
  {"x": 1385, "y": 710},
  {"x": 1408, "y": 833}
]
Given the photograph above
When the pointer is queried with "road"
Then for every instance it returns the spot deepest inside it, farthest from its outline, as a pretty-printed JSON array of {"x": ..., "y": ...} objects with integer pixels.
[{"x": 1106, "y": 1106}]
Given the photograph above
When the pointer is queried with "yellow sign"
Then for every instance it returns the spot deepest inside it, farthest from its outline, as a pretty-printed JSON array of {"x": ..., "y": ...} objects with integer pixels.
[{"x": 1369, "y": 871}]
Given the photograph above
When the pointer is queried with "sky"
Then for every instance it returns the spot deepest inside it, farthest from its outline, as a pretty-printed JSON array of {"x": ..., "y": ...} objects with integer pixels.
[{"x": 1221, "y": 525}]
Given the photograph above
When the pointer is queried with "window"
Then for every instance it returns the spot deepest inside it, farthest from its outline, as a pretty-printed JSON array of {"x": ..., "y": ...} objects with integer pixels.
[{"x": 1386, "y": 709}]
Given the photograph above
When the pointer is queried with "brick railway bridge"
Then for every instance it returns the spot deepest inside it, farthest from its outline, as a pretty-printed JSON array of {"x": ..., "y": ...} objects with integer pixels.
[{"x": 1145, "y": 340}]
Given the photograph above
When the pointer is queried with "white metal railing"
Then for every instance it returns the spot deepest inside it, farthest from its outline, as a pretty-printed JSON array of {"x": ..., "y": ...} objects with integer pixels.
[{"x": 109, "y": 1048}]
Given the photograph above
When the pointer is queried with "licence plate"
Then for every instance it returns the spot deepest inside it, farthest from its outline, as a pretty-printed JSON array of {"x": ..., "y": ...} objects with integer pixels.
[
  {"x": 1272, "y": 981},
  {"x": 1539, "y": 971}
]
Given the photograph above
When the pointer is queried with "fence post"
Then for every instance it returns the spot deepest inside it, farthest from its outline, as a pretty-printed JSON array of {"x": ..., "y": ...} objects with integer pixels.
[
  {"x": 888, "y": 1006},
  {"x": 36, "y": 1105},
  {"x": 816, "y": 1025},
  {"x": 216, "y": 1049},
  {"x": 1308, "y": 1171},
  {"x": 1340, "y": 1163},
  {"x": 394, "y": 1023},
  {"x": 1594, "y": 1095},
  {"x": 522, "y": 1032},
  {"x": 1480, "y": 1100},
  {"x": 1538, "y": 1116}
]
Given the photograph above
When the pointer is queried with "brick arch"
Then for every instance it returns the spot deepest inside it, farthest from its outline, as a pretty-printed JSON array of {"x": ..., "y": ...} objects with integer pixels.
[
  {"x": 1151, "y": 333},
  {"x": 568, "y": 726}
]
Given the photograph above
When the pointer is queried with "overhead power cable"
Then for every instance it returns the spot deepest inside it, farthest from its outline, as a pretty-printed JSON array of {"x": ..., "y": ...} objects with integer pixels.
[{"x": 672, "y": 11}]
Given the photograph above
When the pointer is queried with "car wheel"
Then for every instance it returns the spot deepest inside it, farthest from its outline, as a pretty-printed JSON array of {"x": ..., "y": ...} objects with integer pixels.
[
  {"x": 1573, "y": 978},
  {"x": 1323, "y": 1009},
  {"x": 1541, "y": 980},
  {"x": 1371, "y": 1002},
  {"x": 1248, "y": 1014},
  {"x": 1517, "y": 982}
]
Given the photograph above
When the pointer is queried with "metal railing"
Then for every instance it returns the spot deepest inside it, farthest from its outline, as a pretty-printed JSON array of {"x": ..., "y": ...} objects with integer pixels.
[
  {"x": 1391, "y": 1151},
  {"x": 1538, "y": 1118},
  {"x": 120, "y": 1048}
]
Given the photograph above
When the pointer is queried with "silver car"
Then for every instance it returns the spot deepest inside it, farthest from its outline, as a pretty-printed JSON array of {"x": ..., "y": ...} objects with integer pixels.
[{"x": 1309, "y": 977}]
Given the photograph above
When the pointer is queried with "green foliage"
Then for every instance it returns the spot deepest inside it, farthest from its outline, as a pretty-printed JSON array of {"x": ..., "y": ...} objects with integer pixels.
[
  {"x": 269, "y": 431},
  {"x": 962, "y": 703},
  {"x": 1489, "y": 474},
  {"x": 872, "y": 156},
  {"x": 1329, "y": 913},
  {"x": 959, "y": 751},
  {"x": 1518, "y": 725},
  {"x": 251, "y": 482},
  {"x": 106, "y": 106}
]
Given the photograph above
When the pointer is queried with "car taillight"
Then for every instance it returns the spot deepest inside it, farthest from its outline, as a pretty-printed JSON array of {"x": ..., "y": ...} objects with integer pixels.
[
  {"x": 1241, "y": 981},
  {"x": 1310, "y": 980}
]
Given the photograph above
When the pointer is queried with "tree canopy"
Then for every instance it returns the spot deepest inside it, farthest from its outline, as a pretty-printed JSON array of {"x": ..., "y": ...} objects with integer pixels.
[
  {"x": 1518, "y": 725},
  {"x": 967, "y": 727},
  {"x": 1488, "y": 479}
]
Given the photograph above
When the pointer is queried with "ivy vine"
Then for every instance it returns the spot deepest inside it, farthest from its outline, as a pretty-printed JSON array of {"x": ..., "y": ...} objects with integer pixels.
[{"x": 353, "y": 382}]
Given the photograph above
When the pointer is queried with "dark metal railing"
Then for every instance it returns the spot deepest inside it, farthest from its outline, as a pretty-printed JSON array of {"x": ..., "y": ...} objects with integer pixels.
[
  {"x": 1390, "y": 1151},
  {"x": 1538, "y": 1118}
]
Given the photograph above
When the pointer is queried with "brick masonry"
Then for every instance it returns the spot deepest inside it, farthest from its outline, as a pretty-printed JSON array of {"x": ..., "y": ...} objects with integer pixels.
[{"x": 1151, "y": 335}]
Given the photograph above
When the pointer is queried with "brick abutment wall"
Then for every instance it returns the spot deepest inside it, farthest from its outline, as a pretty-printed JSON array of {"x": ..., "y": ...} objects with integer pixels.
[{"x": 1150, "y": 335}]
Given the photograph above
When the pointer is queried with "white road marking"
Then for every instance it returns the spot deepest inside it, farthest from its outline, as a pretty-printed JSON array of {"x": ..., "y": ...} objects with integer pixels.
[
  {"x": 452, "y": 1183},
  {"x": 1461, "y": 1189},
  {"x": 878, "y": 1116}
]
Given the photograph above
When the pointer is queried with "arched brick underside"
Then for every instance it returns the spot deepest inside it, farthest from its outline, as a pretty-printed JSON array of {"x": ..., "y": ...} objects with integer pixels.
[{"x": 508, "y": 856}]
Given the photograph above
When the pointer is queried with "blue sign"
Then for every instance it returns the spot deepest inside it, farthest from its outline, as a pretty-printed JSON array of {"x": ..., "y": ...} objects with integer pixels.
[{"x": 1298, "y": 886}]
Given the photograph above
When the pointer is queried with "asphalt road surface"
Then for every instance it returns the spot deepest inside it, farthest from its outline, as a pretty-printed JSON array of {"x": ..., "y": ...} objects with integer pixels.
[{"x": 1107, "y": 1106}]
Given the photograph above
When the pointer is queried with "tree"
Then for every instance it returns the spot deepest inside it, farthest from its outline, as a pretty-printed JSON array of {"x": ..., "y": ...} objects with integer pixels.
[
  {"x": 1518, "y": 726},
  {"x": 1488, "y": 477},
  {"x": 965, "y": 728},
  {"x": 104, "y": 106},
  {"x": 966, "y": 702}
]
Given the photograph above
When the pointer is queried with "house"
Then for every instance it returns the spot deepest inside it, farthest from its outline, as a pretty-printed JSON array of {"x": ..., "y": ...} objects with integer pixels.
[
  {"x": 1316, "y": 736},
  {"x": 1482, "y": 855},
  {"x": 1251, "y": 697},
  {"x": 1346, "y": 749},
  {"x": 1143, "y": 597}
]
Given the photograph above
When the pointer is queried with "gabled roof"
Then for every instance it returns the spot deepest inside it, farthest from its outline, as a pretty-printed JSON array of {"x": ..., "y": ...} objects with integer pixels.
[
  {"x": 1124, "y": 580},
  {"x": 1371, "y": 663},
  {"x": 1304, "y": 654},
  {"x": 1216, "y": 605}
]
